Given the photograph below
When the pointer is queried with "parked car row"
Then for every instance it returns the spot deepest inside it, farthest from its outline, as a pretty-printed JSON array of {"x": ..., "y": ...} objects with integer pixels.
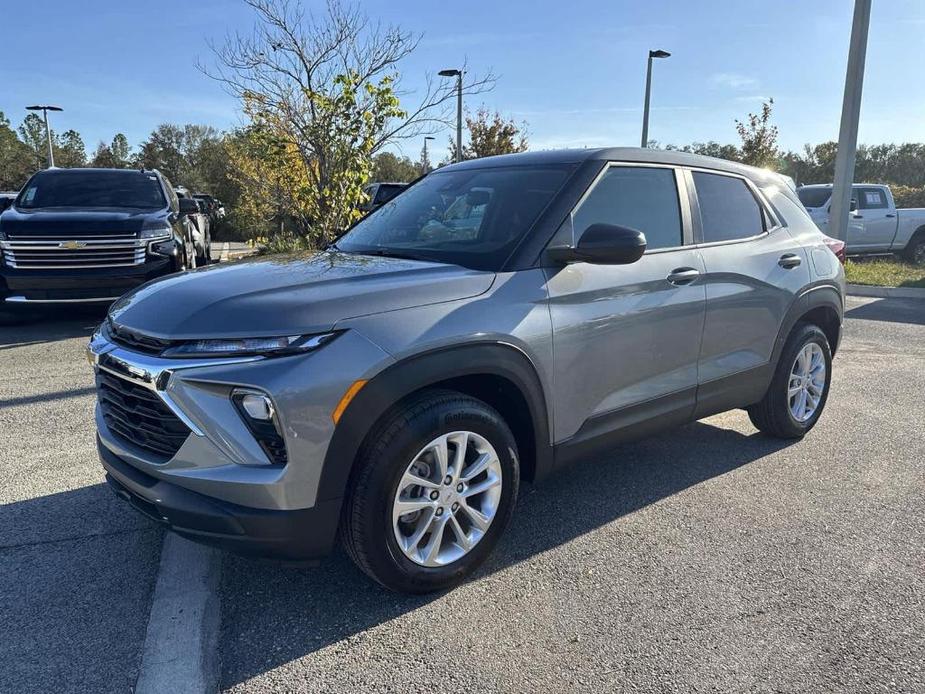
[
  {"x": 90, "y": 235},
  {"x": 202, "y": 226}
]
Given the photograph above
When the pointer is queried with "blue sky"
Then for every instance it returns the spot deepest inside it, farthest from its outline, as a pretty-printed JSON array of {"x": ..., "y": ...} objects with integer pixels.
[{"x": 573, "y": 70}]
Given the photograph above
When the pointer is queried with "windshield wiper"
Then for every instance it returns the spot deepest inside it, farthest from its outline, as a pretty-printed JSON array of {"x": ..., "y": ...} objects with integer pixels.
[{"x": 389, "y": 253}]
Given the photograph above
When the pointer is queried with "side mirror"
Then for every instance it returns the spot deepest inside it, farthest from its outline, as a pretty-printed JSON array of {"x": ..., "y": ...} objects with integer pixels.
[
  {"x": 604, "y": 244},
  {"x": 853, "y": 206},
  {"x": 188, "y": 206},
  {"x": 5, "y": 203}
]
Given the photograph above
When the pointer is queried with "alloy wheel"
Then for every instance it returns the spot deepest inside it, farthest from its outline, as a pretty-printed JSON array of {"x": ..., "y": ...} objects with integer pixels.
[
  {"x": 447, "y": 498},
  {"x": 807, "y": 382}
]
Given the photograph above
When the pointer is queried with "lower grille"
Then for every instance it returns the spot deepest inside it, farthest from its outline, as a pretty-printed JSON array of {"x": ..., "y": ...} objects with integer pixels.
[
  {"x": 68, "y": 253},
  {"x": 136, "y": 414}
]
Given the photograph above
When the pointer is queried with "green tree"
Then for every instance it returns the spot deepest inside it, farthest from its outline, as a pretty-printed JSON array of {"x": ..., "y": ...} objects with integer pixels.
[
  {"x": 121, "y": 152},
  {"x": 759, "y": 138},
  {"x": 490, "y": 134},
  {"x": 391, "y": 167},
  {"x": 16, "y": 159},
  {"x": 112, "y": 156},
  {"x": 32, "y": 133},
  {"x": 710, "y": 149},
  {"x": 103, "y": 157},
  {"x": 70, "y": 151}
]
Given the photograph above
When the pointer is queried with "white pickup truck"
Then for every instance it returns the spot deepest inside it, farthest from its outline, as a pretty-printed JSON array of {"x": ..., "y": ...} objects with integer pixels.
[{"x": 875, "y": 225}]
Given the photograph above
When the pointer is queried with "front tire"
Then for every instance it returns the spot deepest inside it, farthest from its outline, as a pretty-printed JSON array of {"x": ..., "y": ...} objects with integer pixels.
[
  {"x": 434, "y": 488},
  {"x": 799, "y": 388}
]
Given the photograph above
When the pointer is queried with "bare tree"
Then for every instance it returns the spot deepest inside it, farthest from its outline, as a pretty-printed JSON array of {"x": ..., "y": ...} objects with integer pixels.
[{"x": 329, "y": 84}]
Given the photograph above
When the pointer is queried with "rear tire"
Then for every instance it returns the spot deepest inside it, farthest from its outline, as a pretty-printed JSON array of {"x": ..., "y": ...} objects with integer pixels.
[
  {"x": 451, "y": 542},
  {"x": 915, "y": 251},
  {"x": 779, "y": 413}
]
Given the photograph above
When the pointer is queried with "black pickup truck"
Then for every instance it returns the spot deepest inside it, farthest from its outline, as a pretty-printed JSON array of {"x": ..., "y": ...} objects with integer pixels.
[{"x": 90, "y": 235}]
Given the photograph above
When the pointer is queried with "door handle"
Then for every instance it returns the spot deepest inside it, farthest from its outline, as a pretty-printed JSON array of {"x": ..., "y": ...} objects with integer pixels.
[
  {"x": 789, "y": 260},
  {"x": 890, "y": 215},
  {"x": 683, "y": 275}
]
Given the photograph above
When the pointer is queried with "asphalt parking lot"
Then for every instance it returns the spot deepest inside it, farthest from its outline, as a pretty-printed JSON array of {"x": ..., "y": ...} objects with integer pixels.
[{"x": 709, "y": 559}]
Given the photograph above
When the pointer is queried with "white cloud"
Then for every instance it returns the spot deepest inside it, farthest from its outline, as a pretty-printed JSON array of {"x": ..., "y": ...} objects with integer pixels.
[{"x": 733, "y": 80}]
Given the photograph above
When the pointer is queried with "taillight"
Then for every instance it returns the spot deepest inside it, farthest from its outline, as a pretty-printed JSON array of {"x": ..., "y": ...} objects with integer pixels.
[{"x": 837, "y": 247}]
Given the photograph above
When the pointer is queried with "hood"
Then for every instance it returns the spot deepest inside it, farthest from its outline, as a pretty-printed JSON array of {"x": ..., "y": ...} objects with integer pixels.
[
  {"x": 286, "y": 295},
  {"x": 54, "y": 222}
]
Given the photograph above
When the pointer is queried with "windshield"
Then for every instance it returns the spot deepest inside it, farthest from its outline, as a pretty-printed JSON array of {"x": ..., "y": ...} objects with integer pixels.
[
  {"x": 64, "y": 188},
  {"x": 472, "y": 218},
  {"x": 814, "y": 197}
]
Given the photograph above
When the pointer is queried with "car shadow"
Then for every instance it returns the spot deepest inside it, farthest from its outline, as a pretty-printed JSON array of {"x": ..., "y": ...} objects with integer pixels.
[
  {"x": 77, "y": 568},
  {"x": 892, "y": 310},
  {"x": 296, "y": 612},
  {"x": 51, "y": 325}
]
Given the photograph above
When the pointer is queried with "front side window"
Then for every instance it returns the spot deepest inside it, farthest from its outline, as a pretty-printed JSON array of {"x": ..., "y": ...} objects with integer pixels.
[
  {"x": 641, "y": 198},
  {"x": 472, "y": 218},
  {"x": 728, "y": 209},
  {"x": 63, "y": 188}
]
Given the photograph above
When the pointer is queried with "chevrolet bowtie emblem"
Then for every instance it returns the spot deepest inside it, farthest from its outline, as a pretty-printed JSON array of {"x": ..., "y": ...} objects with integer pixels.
[{"x": 72, "y": 245}]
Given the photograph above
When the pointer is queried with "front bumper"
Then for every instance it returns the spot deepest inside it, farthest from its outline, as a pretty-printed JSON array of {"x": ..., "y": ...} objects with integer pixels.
[
  {"x": 292, "y": 535},
  {"x": 81, "y": 285},
  {"x": 219, "y": 487}
]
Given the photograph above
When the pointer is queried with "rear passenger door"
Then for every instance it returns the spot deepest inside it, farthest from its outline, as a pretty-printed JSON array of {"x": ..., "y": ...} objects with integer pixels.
[
  {"x": 753, "y": 272},
  {"x": 626, "y": 338},
  {"x": 873, "y": 224}
]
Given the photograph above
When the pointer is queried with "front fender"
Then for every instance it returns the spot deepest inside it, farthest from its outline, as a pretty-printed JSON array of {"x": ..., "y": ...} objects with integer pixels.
[{"x": 420, "y": 371}]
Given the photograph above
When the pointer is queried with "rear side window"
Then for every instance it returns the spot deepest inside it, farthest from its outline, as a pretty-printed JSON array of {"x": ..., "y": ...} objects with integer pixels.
[
  {"x": 871, "y": 198},
  {"x": 728, "y": 209},
  {"x": 641, "y": 198},
  {"x": 814, "y": 197}
]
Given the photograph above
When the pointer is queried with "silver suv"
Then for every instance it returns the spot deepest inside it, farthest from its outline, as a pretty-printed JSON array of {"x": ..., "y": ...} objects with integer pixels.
[{"x": 498, "y": 319}]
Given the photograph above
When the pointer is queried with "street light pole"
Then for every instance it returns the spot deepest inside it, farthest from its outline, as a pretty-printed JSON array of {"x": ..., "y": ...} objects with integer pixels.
[
  {"x": 425, "y": 164},
  {"x": 850, "y": 115},
  {"x": 45, "y": 110},
  {"x": 458, "y": 74},
  {"x": 645, "y": 109}
]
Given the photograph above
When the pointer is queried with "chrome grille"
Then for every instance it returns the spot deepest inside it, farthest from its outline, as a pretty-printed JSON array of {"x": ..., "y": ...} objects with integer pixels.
[{"x": 70, "y": 252}]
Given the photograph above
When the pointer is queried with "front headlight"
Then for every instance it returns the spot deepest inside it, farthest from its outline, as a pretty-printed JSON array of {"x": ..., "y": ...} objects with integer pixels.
[
  {"x": 250, "y": 346},
  {"x": 160, "y": 231}
]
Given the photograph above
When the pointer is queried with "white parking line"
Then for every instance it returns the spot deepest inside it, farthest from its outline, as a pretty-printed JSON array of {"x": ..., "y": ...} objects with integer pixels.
[{"x": 181, "y": 644}]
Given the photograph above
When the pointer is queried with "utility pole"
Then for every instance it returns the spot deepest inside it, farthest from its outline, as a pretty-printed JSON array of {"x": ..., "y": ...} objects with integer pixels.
[
  {"x": 45, "y": 110},
  {"x": 850, "y": 115}
]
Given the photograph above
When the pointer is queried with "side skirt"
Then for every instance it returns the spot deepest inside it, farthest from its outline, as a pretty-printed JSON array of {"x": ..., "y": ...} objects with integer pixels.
[{"x": 610, "y": 429}]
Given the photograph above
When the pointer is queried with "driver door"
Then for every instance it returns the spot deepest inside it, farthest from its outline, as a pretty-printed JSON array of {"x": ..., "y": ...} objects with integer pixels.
[{"x": 626, "y": 338}]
